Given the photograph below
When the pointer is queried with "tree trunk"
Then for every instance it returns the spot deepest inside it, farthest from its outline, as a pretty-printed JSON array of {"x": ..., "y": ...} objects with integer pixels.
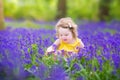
[
  {"x": 1, "y": 16},
  {"x": 104, "y": 9},
  {"x": 61, "y": 9}
]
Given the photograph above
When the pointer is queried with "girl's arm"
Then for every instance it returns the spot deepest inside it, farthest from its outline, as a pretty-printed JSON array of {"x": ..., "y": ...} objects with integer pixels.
[
  {"x": 81, "y": 43},
  {"x": 53, "y": 47}
]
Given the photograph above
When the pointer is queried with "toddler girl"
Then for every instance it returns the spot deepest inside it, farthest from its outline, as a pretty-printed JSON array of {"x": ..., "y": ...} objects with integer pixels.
[{"x": 68, "y": 42}]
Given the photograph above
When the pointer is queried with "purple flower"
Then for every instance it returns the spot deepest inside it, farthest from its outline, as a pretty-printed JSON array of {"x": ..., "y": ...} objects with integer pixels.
[
  {"x": 76, "y": 67},
  {"x": 57, "y": 73}
]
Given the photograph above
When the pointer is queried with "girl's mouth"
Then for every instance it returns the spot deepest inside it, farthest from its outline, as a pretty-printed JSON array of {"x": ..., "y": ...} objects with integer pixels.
[{"x": 64, "y": 39}]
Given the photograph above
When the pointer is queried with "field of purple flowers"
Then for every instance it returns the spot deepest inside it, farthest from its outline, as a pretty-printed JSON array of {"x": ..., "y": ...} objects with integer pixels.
[{"x": 22, "y": 54}]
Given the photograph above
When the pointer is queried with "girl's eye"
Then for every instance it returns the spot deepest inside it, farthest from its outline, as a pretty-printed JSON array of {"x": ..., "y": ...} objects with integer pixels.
[
  {"x": 60, "y": 35},
  {"x": 66, "y": 34}
]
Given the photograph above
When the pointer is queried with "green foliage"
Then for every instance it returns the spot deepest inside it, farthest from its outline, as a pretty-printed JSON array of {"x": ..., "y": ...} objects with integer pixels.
[
  {"x": 49, "y": 60},
  {"x": 86, "y": 9},
  {"x": 34, "y": 53},
  {"x": 33, "y": 57},
  {"x": 115, "y": 9},
  {"x": 32, "y": 9},
  {"x": 28, "y": 24},
  {"x": 47, "y": 9}
]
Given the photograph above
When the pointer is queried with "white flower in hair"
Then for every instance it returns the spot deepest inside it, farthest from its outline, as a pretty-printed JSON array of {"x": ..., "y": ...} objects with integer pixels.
[{"x": 69, "y": 25}]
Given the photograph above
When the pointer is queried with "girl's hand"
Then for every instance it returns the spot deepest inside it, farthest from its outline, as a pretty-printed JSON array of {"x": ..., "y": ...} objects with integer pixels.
[{"x": 50, "y": 49}]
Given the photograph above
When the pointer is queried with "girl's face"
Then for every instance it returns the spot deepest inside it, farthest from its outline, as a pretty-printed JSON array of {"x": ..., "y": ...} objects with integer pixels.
[{"x": 65, "y": 35}]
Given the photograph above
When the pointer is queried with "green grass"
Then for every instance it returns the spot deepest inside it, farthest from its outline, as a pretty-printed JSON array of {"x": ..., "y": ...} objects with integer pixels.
[{"x": 27, "y": 24}]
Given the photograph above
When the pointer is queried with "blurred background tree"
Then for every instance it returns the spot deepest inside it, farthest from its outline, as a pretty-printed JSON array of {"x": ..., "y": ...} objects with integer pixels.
[
  {"x": 1, "y": 16},
  {"x": 104, "y": 9},
  {"x": 47, "y": 10},
  {"x": 61, "y": 9}
]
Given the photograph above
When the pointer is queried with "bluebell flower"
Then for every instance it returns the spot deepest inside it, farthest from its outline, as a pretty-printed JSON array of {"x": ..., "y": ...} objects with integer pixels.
[{"x": 57, "y": 73}]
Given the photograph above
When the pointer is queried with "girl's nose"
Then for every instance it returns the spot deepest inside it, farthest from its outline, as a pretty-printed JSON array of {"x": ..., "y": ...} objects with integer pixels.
[{"x": 63, "y": 37}]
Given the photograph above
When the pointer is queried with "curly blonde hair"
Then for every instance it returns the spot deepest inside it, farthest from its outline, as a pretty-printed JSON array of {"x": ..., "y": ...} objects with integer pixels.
[{"x": 67, "y": 23}]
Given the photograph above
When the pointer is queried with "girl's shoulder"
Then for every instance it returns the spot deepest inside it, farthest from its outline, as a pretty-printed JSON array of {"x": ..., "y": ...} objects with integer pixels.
[
  {"x": 78, "y": 40},
  {"x": 81, "y": 43}
]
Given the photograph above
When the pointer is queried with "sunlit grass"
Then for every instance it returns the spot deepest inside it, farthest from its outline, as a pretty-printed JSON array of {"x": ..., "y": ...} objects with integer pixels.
[{"x": 28, "y": 24}]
